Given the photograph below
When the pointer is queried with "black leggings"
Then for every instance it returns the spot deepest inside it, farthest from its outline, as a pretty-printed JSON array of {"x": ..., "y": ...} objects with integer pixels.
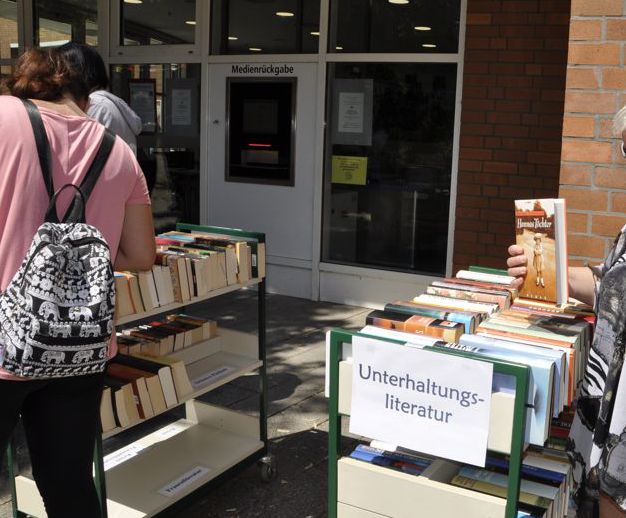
[{"x": 60, "y": 420}]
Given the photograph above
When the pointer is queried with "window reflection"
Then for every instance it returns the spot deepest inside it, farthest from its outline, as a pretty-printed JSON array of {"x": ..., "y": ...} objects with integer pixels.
[
  {"x": 384, "y": 26},
  {"x": 8, "y": 29},
  {"x": 267, "y": 27},
  {"x": 158, "y": 22},
  {"x": 388, "y": 165},
  {"x": 169, "y": 148},
  {"x": 57, "y": 22}
]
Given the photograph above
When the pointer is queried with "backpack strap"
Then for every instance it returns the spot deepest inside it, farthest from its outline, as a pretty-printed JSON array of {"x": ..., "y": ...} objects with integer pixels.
[
  {"x": 41, "y": 140},
  {"x": 76, "y": 211}
]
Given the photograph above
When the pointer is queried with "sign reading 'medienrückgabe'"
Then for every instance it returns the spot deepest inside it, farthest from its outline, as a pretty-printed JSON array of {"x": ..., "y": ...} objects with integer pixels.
[{"x": 420, "y": 399}]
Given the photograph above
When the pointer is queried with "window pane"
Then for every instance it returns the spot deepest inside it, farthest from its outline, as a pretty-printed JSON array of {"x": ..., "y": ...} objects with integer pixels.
[
  {"x": 168, "y": 149},
  {"x": 70, "y": 20},
  {"x": 268, "y": 27},
  {"x": 158, "y": 22},
  {"x": 8, "y": 29},
  {"x": 388, "y": 165},
  {"x": 393, "y": 26}
]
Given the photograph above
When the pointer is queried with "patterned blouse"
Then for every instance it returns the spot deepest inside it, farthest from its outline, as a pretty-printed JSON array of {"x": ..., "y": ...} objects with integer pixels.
[{"x": 597, "y": 443}]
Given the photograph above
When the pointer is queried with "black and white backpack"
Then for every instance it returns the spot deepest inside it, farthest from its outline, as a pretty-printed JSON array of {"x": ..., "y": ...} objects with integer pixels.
[{"x": 56, "y": 315}]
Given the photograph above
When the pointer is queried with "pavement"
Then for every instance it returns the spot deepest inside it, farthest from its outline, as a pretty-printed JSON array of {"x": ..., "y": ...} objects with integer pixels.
[{"x": 297, "y": 410}]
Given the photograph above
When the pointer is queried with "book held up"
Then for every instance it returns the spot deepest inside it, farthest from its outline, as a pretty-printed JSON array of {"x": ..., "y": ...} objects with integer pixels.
[{"x": 540, "y": 229}]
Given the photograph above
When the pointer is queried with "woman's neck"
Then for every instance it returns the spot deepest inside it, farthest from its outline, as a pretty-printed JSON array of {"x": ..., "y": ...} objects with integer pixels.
[{"x": 64, "y": 106}]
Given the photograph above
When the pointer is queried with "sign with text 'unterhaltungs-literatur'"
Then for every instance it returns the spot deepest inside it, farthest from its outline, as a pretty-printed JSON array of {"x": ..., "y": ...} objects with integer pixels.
[{"x": 420, "y": 399}]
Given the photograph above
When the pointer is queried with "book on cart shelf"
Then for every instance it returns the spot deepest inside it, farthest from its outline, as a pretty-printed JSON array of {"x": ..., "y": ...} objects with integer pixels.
[
  {"x": 125, "y": 408},
  {"x": 139, "y": 386},
  {"x": 540, "y": 229},
  {"x": 445, "y": 329}
]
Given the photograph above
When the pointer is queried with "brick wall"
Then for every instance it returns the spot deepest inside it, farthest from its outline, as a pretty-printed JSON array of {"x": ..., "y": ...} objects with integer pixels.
[
  {"x": 511, "y": 120},
  {"x": 593, "y": 177}
]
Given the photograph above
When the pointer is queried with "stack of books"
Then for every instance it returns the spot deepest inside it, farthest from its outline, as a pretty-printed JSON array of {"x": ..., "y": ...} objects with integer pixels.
[
  {"x": 143, "y": 380},
  {"x": 188, "y": 266}
]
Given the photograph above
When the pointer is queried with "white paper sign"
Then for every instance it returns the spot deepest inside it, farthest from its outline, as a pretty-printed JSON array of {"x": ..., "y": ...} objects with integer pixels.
[
  {"x": 211, "y": 376},
  {"x": 183, "y": 481},
  {"x": 421, "y": 400},
  {"x": 351, "y": 112},
  {"x": 181, "y": 107}
]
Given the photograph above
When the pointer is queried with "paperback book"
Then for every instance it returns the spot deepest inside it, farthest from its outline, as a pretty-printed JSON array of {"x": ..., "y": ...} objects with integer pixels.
[{"x": 540, "y": 230}]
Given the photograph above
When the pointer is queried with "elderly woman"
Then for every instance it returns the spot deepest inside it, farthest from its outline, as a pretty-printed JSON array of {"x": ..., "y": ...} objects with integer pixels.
[
  {"x": 60, "y": 415},
  {"x": 597, "y": 442}
]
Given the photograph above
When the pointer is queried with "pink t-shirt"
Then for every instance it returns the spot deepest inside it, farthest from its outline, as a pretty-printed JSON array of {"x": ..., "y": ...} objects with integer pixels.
[{"x": 74, "y": 141}]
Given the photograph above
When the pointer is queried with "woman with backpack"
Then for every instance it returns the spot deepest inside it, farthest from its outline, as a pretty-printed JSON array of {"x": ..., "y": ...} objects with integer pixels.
[{"x": 55, "y": 389}]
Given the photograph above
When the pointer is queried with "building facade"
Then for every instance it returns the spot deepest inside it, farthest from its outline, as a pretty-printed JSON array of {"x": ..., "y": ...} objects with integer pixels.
[{"x": 377, "y": 144}]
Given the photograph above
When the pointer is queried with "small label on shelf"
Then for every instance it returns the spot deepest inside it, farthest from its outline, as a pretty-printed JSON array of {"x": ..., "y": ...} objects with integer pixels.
[
  {"x": 120, "y": 456},
  {"x": 209, "y": 377},
  {"x": 186, "y": 479}
]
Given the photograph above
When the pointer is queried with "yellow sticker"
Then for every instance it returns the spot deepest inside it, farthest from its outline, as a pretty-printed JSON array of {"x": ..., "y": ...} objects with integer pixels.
[{"x": 349, "y": 169}]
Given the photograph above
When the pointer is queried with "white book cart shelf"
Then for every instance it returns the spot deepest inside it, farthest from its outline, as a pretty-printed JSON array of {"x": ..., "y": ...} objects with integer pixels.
[
  {"x": 358, "y": 489},
  {"x": 166, "y": 469}
]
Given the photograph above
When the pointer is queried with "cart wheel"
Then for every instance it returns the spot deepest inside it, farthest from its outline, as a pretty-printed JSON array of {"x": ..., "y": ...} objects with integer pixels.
[{"x": 268, "y": 468}]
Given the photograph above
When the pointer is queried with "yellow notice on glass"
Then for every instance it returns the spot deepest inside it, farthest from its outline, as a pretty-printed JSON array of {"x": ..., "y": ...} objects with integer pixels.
[{"x": 349, "y": 169}]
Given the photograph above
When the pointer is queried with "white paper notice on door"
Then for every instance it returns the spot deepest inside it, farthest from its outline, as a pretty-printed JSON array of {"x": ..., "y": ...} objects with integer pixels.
[
  {"x": 351, "y": 112},
  {"x": 420, "y": 399}
]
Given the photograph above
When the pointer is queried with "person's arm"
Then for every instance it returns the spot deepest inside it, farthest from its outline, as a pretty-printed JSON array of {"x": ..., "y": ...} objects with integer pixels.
[
  {"x": 582, "y": 284},
  {"x": 137, "y": 246},
  {"x": 581, "y": 280}
]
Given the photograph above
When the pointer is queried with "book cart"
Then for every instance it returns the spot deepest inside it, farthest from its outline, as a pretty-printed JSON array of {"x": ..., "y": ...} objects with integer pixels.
[
  {"x": 163, "y": 470},
  {"x": 358, "y": 489}
]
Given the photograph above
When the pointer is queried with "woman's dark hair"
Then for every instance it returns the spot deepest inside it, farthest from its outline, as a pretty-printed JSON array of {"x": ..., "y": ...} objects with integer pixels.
[
  {"x": 86, "y": 60},
  {"x": 44, "y": 74}
]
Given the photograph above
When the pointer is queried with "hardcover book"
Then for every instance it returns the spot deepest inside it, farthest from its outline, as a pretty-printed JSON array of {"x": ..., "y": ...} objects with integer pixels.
[{"x": 540, "y": 230}]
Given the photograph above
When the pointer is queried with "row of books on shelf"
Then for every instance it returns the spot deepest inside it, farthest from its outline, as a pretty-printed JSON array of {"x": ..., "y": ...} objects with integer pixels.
[
  {"x": 545, "y": 475},
  {"x": 188, "y": 265},
  {"x": 142, "y": 380}
]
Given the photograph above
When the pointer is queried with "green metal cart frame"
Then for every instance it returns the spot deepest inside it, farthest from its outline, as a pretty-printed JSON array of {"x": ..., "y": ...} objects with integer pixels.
[
  {"x": 262, "y": 455},
  {"x": 520, "y": 372}
]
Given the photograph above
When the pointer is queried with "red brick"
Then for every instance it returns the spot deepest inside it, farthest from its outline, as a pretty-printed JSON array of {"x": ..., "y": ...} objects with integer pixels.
[
  {"x": 475, "y": 154},
  {"x": 574, "y": 174},
  {"x": 500, "y": 167},
  {"x": 470, "y": 165},
  {"x": 477, "y": 43},
  {"x": 586, "y": 30},
  {"x": 518, "y": 94},
  {"x": 478, "y": 19},
  {"x": 497, "y": 43},
  {"x": 606, "y": 225},
  {"x": 490, "y": 31},
  {"x": 530, "y": 119},
  {"x": 493, "y": 142},
  {"x": 590, "y": 102},
  {"x": 525, "y": 43},
  {"x": 577, "y": 222},
  {"x": 519, "y": 81},
  {"x": 519, "y": 143},
  {"x": 616, "y": 30},
  {"x": 585, "y": 245},
  {"x": 477, "y": 129},
  {"x": 517, "y": 56},
  {"x": 471, "y": 141},
  {"x": 495, "y": 92},
  {"x": 605, "y": 129},
  {"x": 597, "y": 7},
  {"x": 583, "y": 199},
  {"x": 512, "y": 106},
  {"x": 512, "y": 131},
  {"x": 474, "y": 92},
  {"x": 490, "y": 191},
  {"x": 610, "y": 177},
  {"x": 471, "y": 116},
  {"x": 594, "y": 54},
  {"x": 517, "y": 30},
  {"x": 520, "y": 6},
  {"x": 491, "y": 179},
  {"x": 503, "y": 118},
  {"x": 578, "y": 150},
  {"x": 505, "y": 155},
  {"x": 542, "y": 158},
  {"x": 581, "y": 78},
  {"x": 548, "y": 94},
  {"x": 578, "y": 126},
  {"x": 476, "y": 67},
  {"x": 618, "y": 202}
]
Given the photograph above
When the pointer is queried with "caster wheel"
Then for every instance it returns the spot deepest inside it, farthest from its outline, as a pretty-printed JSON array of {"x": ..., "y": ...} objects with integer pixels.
[{"x": 267, "y": 466}]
